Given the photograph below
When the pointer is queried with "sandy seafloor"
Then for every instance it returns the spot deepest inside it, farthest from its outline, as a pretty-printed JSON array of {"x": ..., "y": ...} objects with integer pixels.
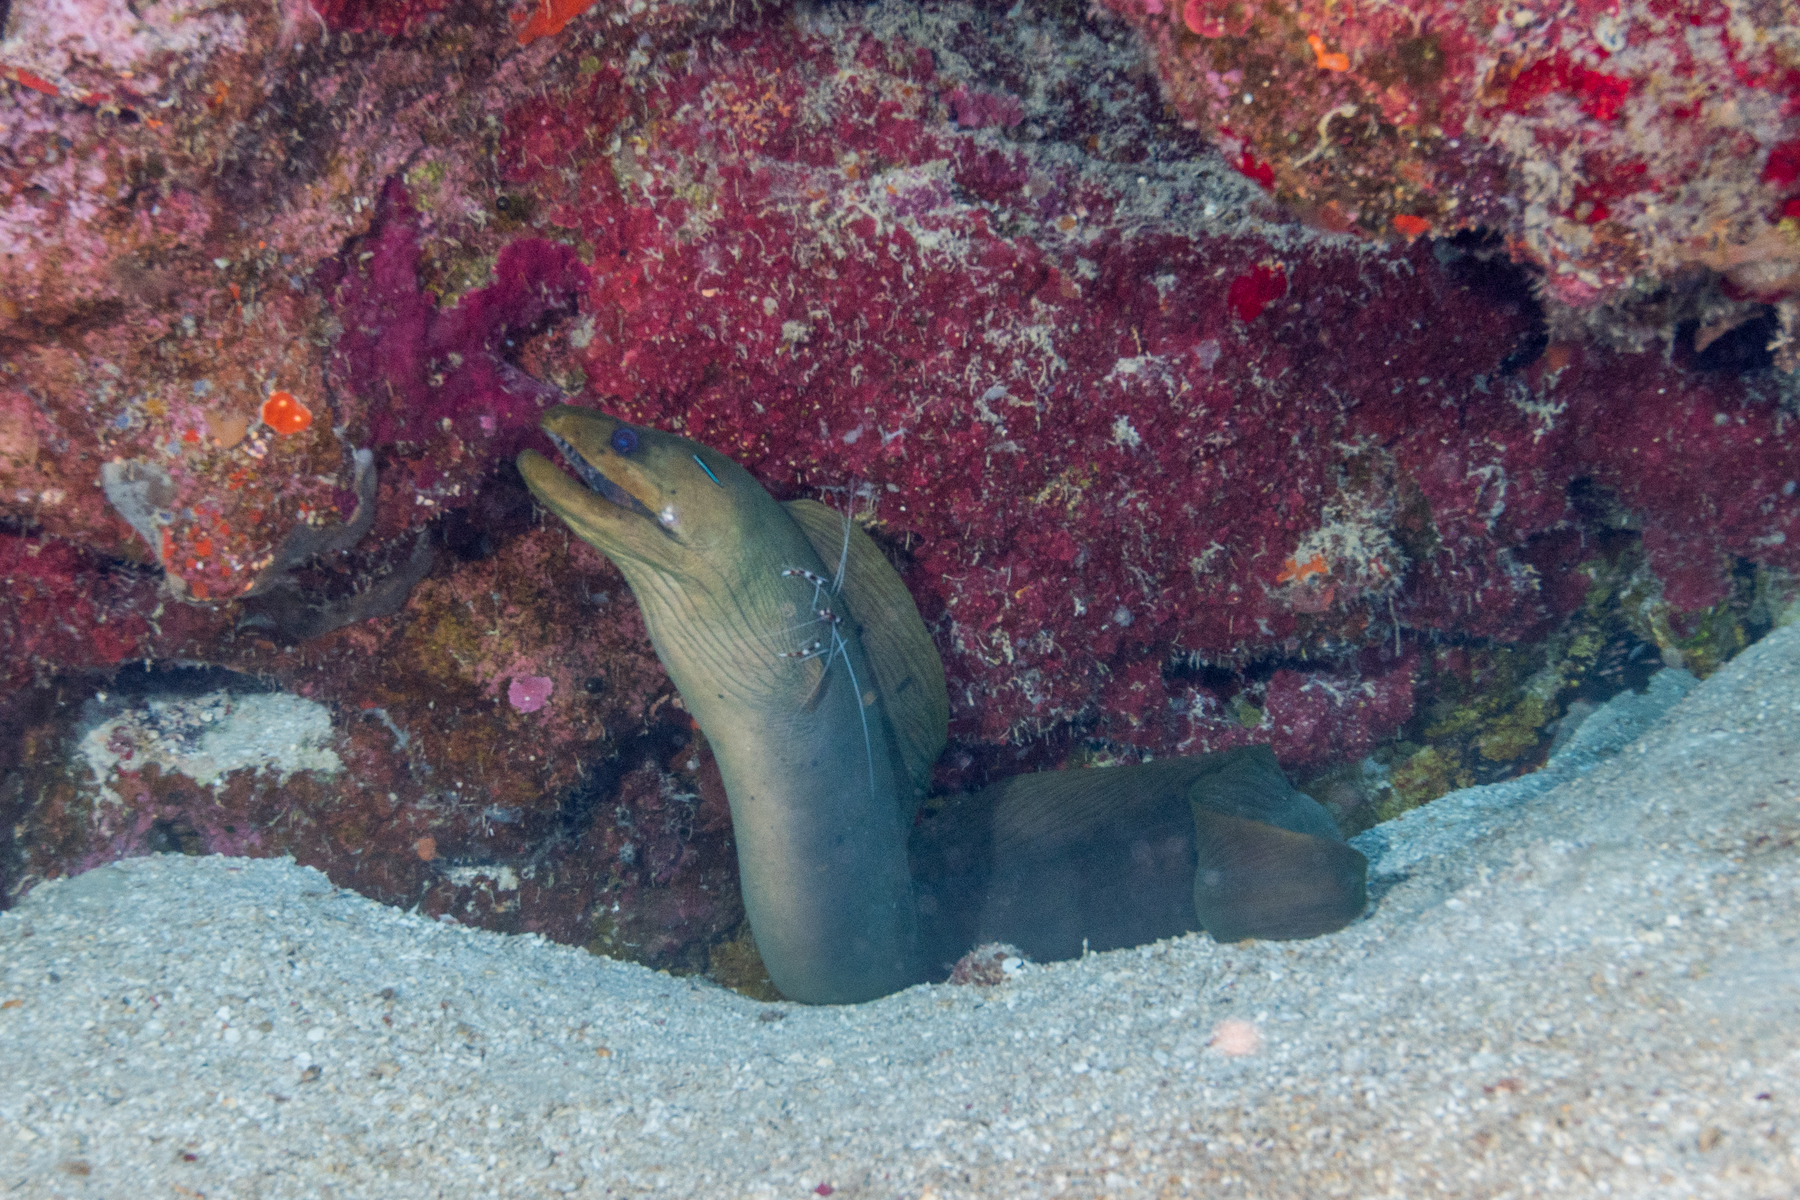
[{"x": 1590, "y": 989}]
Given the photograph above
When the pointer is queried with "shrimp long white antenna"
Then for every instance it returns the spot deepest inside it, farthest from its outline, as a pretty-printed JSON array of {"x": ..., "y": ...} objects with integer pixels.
[
  {"x": 837, "y": 584},
  {"x": 823, "y": 590},
  {"x": 851, "y": 492}
]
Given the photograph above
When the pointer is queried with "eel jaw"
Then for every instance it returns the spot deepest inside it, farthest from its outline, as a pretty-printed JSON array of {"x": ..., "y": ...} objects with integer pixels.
[{"x": 599, "y": 484}]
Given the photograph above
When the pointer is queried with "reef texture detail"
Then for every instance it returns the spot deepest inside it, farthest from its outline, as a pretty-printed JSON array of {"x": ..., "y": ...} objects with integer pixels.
[{"x": 1620, "y": 145}]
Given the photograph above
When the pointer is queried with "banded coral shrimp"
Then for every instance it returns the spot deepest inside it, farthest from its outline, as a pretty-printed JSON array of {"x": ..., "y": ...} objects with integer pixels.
[{"x": 829, "y": 607}]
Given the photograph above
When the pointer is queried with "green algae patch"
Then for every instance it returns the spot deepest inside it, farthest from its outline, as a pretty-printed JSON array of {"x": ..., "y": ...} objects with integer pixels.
[
  {"x": 1491, "y": 712},
  {"x": 1421, "y": 777},
  {"x": 1247, "y": 714}
]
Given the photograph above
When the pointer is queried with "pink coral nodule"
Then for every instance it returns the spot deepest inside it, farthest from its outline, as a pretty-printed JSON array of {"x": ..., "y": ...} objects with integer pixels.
[{"x": 528, "y": 693}]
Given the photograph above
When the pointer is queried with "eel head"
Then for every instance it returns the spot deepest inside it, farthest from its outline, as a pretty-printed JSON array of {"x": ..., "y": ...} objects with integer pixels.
[{"x": 641, "y": 495}]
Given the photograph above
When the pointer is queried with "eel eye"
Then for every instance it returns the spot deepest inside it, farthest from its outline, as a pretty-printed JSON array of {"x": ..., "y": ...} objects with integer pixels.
[{"x": 624, "y": 441}]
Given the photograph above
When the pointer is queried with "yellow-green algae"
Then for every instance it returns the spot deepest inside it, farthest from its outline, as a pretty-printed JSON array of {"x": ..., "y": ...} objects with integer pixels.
[
  {"x": 735, "y": 963},
  {"x": 1498, "y": 716}
]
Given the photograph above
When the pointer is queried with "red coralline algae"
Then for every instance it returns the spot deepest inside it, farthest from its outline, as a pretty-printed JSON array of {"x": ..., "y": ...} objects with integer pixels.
[
  {"x": 434, "y": 385},
  {"x": 977, "y": 110},
  {"x": 63, "y": 612},
  {"x": 1322, "y": 719},
  {"x": 1783, "y": 167},
  {"x": 1253, "y": 168},
  {"x": 1255, "y": 290},
  {"x": 393, "y": 18},
  {"x": 1596, "y": 93},
  {"x": 1089, "y": 505}
]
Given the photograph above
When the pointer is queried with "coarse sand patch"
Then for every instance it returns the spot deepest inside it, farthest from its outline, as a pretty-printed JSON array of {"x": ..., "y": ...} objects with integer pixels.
[{"x": 1589, "y": 989}]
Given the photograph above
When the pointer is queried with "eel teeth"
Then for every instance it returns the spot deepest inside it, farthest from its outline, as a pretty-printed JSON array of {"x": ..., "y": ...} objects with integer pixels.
[{"x": 596, "y": 482}]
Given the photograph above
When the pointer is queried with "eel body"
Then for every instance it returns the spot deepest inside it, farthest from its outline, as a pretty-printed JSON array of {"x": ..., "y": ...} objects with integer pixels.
[
  {"x": 803, "y": 660},
  {"x": 1062, "y": 862},
  {"x": 805, "y": 753}
]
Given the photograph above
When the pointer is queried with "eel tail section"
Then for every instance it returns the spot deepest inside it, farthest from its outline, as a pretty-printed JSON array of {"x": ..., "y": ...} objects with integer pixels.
[{"x": 1064, "y": 862}]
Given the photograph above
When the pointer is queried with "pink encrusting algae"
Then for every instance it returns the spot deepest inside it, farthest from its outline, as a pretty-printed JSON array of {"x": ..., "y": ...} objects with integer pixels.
[{"x": 528, "y": 693}]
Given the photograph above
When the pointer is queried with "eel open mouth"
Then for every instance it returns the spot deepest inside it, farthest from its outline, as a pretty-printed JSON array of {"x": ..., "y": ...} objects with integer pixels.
[{"x": 597, "y": 482}]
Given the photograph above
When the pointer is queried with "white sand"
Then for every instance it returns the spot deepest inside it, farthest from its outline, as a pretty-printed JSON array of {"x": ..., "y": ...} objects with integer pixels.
[{"x": 1595, "y": 989}]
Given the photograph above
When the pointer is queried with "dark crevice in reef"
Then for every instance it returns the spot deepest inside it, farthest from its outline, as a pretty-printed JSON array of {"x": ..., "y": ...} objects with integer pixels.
[
  {"x": 1623, "y": 663},
  {"x": 295, "y": 595},
  {"x": 311, "y": 600},
  {"x": 341, "y": 581},
  {"x": 1741, "y": 350},
  {"x": 24, "y": 716},
  {"x": 325, "y": 578},
  {"x": 177, "y": 681},
  {"x": 1476, "y": 260},
  {"x": 1695, "y": 306},
  {"x": 580, "y": 807},
  {"x": 1203, "y": 675},
  {"x": 1601, "y": 515},
  {"x": 500, "y": 512},
  {"x": 175, "y": 836},
  {"x": 1488, "y": 712}
]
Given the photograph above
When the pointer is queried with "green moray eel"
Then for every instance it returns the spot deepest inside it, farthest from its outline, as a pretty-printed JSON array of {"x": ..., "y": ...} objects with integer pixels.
[{"x": 802, "y": 658}]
